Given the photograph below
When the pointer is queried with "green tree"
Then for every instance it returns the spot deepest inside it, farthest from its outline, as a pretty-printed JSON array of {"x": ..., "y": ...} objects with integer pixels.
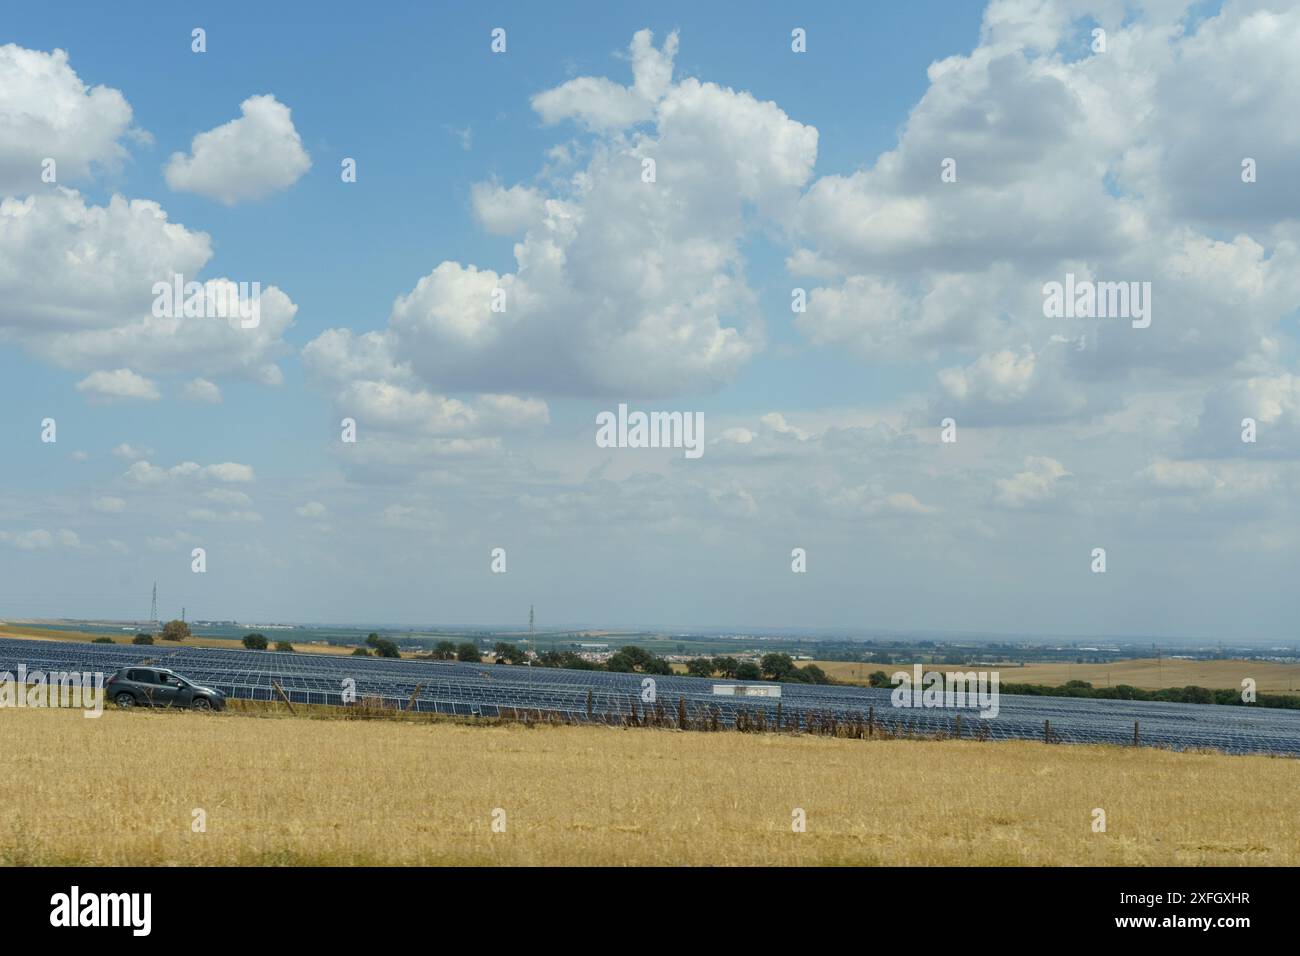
[
  {"x": 814, "y": 674},
  {"x": 445, "y": 651},
  {"x": 255, "y": 642},
  {"x": 385, "y": 648},
  {"x": 776, "y": 666},
  {"x": 284, "y": 646},
  {"x": 748, "y": 670},
  {"x": 469, "y": 652},
  {"x": 507, "y": 653},
  {"x": 630, "y": 659},
  {"x": 142, "y": 639},
  {"x": 726, "y": 666},
  {"x": 175, "y": 631},
  {"x": 701, "y": 667},
  {"x": 657, "y": 665},
  {"x": 360, "y": 652}
]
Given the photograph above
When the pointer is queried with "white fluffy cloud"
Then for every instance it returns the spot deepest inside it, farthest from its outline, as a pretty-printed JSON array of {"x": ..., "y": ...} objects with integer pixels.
[
  {"x": 40, "y": 540},
  {"x": 77, "y": 290},
  {"x": 507, "y": 212},
  {"x": 48, "y": 112},
  {"x": 145, "y": 473},
  {"x": 247, "y": 158},
  {"x": 1037, "y": 485},
  {"x": 201, "y": 390},
  {"x": 601, "y": 104},
  {"x": 1123, "y": 166},
  {"x": 620, "y": 286},
  {"x": 120, "y": 383}
]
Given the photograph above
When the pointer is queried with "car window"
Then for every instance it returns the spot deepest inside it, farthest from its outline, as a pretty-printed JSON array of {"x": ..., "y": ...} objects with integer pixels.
[{"x": 138, "y": 676}]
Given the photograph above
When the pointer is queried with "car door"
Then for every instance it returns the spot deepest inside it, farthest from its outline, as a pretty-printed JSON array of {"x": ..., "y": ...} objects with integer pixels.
[
  {"x": 160, "y": 691},
  {"x": 182, "y": 691},
  {"x": 142, "y": 684}
]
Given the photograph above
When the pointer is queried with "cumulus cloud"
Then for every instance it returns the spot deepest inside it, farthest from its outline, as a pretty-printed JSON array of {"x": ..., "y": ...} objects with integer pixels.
[
  {"x": 77, "y": 290},
  {"x": 48, "y": 112},
  {"x": 1272, "y": 402},
  {"x": 40, "y": 540},
  {"x": 507, "y": 212},
  {"x": 620, "y": 287},
  {"x": 601, "y": 104},
  {"x": 201, "y": 390},
  {"x": 109, "y": 505},
  {"x": 145, "y": 473},
  {"x": 1033, "y": 487},
  {"x": 130, "y": 452},
  {"x": 247, "y": 158},
  {"x": 1115, "y": 166},
  {"x": 120, "y": 383}
]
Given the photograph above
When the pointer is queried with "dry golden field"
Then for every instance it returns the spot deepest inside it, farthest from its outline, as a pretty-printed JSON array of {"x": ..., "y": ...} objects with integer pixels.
[
  {"x": 122, "y": 789},
  {"x": 35, "y": 633},
  {"x": 1149, "y": 674}
]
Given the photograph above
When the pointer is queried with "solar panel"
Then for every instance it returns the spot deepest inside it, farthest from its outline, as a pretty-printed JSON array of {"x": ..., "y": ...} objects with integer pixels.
[{"x": 450, "y": 687}]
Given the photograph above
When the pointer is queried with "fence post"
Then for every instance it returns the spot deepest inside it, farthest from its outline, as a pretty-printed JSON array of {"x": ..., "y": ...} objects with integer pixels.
[
  {"x": 589, "y": 705},
  {"x": 958, "y": 733},
  {"x": 1047, "y": 731},
  {"x": 283, "y": 696},
  {"x": 871, "y": 721},
  {"x": 1135, "y": 733}
]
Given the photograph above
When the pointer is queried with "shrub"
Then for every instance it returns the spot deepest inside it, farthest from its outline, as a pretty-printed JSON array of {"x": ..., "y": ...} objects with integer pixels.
[
  {"x": 255, "y": 642},
  {"x": 284, "y": 646},
  {"x": 175, "y": 631},
  {"x": 142, "y": 639},
  {"x": 102, "y": 640}
]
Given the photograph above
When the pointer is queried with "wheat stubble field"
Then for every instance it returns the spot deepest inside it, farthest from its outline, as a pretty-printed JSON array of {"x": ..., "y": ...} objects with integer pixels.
[{"x": 123, "y": 789}]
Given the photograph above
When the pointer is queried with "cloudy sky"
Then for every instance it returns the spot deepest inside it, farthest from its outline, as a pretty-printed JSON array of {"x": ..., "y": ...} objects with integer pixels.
[{"x": 781, "y": 179}]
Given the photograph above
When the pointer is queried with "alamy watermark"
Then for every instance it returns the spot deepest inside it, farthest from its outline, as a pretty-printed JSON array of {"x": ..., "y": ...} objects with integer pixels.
[
  {"x": 1085, "y": 299},
  {"x": 651, "y": 430},
  {"x": 39, "y": 689},
  {"x": 211, "y": 300},
  {"x": 974, "y": 689}
]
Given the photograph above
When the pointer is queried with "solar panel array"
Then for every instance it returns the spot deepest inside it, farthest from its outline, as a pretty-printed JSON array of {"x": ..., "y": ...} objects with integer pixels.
[{"x": 499, "y": 690}]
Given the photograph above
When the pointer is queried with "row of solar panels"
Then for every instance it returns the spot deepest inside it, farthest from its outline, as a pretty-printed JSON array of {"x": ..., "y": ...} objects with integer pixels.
[{"x": 488, "y": 690}]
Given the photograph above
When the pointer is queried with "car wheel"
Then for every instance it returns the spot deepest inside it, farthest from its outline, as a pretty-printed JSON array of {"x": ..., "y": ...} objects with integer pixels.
[
  {"x": 201, "y": 703},
  {"x": 124, "y": 700}
]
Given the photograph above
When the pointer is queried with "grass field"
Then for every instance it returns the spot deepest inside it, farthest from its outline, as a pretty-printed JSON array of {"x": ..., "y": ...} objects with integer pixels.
[
  {"x": 1149, "y": 674},
  {"x": 122, "y": 790},
  {"x": 33, "y": 633}
]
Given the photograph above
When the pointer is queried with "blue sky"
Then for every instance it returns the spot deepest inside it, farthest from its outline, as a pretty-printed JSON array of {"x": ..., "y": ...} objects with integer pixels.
[
  {"x": 346, "y": 252},
  {"x": 823, "y": 427}
]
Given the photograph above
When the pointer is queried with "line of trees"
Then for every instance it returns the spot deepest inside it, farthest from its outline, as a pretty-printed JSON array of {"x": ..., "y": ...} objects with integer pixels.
[
  {"x": 1177, "y": 695},
  {"x": 631, "y": 659}
]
